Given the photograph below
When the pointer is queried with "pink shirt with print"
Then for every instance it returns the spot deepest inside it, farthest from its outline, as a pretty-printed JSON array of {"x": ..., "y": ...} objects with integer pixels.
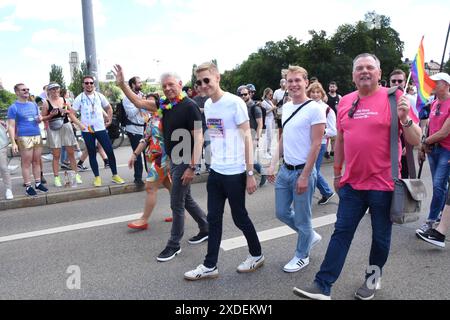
[
  {"x": 367, "y": 141},
  {"x": 436, "y": 122}
]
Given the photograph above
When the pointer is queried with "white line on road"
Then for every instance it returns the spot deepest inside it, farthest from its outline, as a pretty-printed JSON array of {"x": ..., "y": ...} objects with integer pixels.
[
  {"x": 73, "y": 227},
  {"x": 226, "y": 245},
  {"x": 274, "y": 233}
]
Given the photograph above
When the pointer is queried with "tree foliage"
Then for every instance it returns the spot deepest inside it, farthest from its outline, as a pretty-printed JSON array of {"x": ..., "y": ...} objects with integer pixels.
[
  {"x": 56, "y": 75},
  {"x": 6, "y": 99},
  {"x": 329, "y": 58},
  {"x": 77, "y": 82}
]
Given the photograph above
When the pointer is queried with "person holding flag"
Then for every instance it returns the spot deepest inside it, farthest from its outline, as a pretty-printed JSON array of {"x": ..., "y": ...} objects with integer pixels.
[{"x": 437, "y": 146}]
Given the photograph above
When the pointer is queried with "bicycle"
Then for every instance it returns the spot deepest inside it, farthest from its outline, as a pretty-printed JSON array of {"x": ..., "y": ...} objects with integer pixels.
[{"x": 116, "y": 133}]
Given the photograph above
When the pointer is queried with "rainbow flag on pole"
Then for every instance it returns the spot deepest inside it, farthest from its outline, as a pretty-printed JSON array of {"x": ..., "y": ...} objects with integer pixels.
[{"x": 423, "y": 82}]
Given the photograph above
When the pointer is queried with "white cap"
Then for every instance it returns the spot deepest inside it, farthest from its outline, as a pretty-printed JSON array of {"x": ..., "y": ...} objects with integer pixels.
[{"x": 441, "y": 76}]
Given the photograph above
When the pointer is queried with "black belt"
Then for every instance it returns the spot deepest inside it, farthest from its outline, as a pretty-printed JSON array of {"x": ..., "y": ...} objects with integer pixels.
[{"x": 291, "y": 167}]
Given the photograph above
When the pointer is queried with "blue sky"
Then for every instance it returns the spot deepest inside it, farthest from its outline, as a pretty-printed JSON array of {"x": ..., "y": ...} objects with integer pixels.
[{"x": 149, "y": 37}]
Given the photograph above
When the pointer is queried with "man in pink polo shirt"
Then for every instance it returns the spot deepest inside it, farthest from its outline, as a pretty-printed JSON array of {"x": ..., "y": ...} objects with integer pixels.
[{"x": 363, "y": 145}]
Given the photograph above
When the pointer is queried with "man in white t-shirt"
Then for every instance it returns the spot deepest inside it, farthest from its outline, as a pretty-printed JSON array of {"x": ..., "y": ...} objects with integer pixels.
[
  {"x": 303, "y": 127},
  {"x": 278, "y": 100},
  {"x": 92, "y": 105},
  {"x": 231, "y": 171}
]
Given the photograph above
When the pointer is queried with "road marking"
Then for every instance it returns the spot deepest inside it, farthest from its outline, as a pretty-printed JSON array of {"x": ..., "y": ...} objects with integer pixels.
[
  {"x": 275, "y": 233},
  {"x": 226, "y": 245},
  {"x": 73, "y": 227}
]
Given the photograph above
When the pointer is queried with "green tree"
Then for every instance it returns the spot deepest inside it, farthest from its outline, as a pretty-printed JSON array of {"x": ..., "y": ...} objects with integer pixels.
[
  {"x": 112, "y": 92},
  {"x": 77, "y": 82},
  {"x": 56, "y": 75},
  {"x": 446, "y": 67},
  {"x": 6, "y": 99}
]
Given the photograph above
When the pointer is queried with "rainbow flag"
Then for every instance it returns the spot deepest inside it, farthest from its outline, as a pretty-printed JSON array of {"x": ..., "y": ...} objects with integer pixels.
[{"x": 423, "y": 82}]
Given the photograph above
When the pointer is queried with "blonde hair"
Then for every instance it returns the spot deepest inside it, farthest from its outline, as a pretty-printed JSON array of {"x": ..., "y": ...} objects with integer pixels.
[
  {"x": 207, "y": 66},
  {"x": 266, "y": 92},
  {"x": 297, "y": 69},
  {"x": 317, "y": 86}
]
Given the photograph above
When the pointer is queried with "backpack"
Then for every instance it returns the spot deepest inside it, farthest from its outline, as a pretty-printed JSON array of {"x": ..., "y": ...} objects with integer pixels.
[{"x": 122, "y": 117}]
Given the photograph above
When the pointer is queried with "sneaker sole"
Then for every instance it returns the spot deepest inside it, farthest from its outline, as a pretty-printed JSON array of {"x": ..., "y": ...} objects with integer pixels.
[
  {"x": 212, "y": 276},
  {"x": 198, "y": 241},
  {"x": 433, "y": 242},
  {"x": 358, "y": 297},
  {"x": 258, "y": 265},
  {"x": 169, "y": 258},
  {"x": 308, "y": 295}
]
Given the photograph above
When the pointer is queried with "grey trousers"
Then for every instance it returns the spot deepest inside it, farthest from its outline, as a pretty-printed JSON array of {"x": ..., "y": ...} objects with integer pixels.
[
  {"x": 180, "y": 199},
  {"x": 4, "y": 172}
]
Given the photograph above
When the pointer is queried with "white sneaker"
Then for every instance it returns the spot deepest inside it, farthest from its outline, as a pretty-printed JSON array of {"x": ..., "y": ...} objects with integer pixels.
[
  {"x": 201, "y": 272},
  {"x": 9, "y": 194},
  {"x": 316, "y": 239},
  {"x": 251, "y": 264},
  {"x": 296, "y": 264},
  {"x": 12, "y": 168},
  {"x": 47, "y": 157}
]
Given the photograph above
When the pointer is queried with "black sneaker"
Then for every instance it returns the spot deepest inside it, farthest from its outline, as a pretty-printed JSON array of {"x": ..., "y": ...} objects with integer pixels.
[
  {"x": 139, "y": 183},
  {"x": 29, "y": 191},
  {"x": 312, "y": 292},
  {"x": 81, "y": 167},
  {"x": 326, "y": 199},
  {"x": 434, "y": 237},
  {"x": 367, "y": 290},
  {"x": 65, "y": 165},
  {"x": 106, "y": 164},
  {"x": 168, "y": 254},
  {"x": 326, "y": 155},
  {"x": 202, "y": 236},
  {"x": 332, "y": 153},
  {"x": 41, "y": 187}
]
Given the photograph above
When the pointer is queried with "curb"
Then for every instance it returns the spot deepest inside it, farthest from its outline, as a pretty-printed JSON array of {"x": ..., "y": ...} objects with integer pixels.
[{"x": 79, "y": 194}]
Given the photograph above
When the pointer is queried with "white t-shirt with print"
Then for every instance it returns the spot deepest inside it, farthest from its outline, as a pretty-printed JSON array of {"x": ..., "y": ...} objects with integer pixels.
[
  {"x": 227, "y": 143},
  {"x": 297, "y": 132},
  {"x": 91, "y": 110}
]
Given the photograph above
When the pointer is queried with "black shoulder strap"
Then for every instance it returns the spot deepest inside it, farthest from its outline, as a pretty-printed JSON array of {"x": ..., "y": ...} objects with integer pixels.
[{"x": 296, "y": 111}]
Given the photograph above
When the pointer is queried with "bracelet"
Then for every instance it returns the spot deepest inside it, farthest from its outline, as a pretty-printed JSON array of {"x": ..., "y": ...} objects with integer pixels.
[{"x": 337, "y": 177}]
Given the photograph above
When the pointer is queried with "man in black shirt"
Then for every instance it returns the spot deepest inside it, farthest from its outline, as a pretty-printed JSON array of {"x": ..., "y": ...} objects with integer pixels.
[
  {"x": 333, "y": 101},
  {"x": 183, "y": 141}
]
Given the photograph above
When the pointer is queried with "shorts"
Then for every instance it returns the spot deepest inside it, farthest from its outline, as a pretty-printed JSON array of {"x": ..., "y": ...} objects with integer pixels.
[
  {"x": 63, "y": 137},
  {"x": 29, "y": 142}
]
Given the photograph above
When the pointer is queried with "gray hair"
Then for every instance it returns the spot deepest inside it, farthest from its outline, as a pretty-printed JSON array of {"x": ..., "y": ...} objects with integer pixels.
[
  {"x": 166, "y": 75},
  {"x": 366, "y": 55}
]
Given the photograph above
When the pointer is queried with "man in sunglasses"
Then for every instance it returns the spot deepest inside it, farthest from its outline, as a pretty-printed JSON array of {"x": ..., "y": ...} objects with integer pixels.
[
  {"x": 364, "y": 119},
  {"x": 92, "y": 107},
  {"x": 231, "y": 173},
  {"x": 24, "y": 116}
]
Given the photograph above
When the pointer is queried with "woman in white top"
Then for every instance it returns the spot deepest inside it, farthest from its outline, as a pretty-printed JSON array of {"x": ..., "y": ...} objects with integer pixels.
[
  {"x": 270, "y": 118},
  {"x": 316, "y": 92}
]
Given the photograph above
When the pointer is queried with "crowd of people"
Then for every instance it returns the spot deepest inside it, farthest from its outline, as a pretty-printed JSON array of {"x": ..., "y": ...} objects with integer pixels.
[{"x": 172, "y": 133}]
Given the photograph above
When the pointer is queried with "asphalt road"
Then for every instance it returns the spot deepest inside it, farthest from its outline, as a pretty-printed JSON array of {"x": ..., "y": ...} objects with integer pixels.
[{"x": 116, "y": 263}]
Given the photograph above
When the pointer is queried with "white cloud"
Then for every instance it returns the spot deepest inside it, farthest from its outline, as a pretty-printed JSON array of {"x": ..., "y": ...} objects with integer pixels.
[
  {"x": 55, "y": 36},
  {"x": 9, "y": 25}
]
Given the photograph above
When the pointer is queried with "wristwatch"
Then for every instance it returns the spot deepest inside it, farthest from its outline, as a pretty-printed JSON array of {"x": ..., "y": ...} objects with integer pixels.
[
  {"x": 407, "y": 124},
  {"x": 193, "y": 167},
  {"x": 250, "y": 173}
]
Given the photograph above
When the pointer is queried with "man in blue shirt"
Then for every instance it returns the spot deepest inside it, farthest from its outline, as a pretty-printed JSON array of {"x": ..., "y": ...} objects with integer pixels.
[{"x": 24, "y": 115}]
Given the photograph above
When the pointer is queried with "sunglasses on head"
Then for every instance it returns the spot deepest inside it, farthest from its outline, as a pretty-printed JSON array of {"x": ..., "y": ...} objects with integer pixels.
[
  {"x": 87, "y": 83},
  {"x": 200, "y": 81},
  {"x": 352, "y": 110},
  {"x": 396, "y": 81}
]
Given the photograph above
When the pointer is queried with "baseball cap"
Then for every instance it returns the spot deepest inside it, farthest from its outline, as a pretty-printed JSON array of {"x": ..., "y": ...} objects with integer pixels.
[
  {"x": 238, "y": 91},
  {"x": 251, "y": 87},
  {"x": 441, "y": 76},
  {"x": 52, "y": 86}
]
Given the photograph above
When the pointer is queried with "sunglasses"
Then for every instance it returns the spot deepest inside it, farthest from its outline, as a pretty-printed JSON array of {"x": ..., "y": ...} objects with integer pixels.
[
  {"x": 243, "y": 94},
  {"x": 25, "y": 90},
  {"x": 205, "y": 80},
  {"x": 396, "y": 81},
  {"x": 438, "y": 110},
  {"x": 87, "y": 83},
  {"x": 352, "y": 110}
]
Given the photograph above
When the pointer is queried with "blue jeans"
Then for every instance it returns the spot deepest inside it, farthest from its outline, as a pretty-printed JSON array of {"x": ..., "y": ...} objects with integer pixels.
[
  {"x": 220, "y": 188},
  {"x": 352, "y": 207},
  {"x": 138, "y": 166},
  {"x": 105, "y": 142},
  {"x": 181, "y": 199},
  {"x": 322, "y": 184},
  {"x": 438, "y": 159},
  {"x": 294, "y": 209}
]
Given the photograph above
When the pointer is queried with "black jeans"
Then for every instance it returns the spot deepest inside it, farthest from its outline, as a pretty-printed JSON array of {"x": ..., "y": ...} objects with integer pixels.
[
  {"x": 138, "y": 167},
  {"x": 233, "y": 187}
]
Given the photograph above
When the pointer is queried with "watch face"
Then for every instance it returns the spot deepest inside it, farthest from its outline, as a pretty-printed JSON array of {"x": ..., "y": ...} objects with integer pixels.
[{"x": 250, "y": 173}]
